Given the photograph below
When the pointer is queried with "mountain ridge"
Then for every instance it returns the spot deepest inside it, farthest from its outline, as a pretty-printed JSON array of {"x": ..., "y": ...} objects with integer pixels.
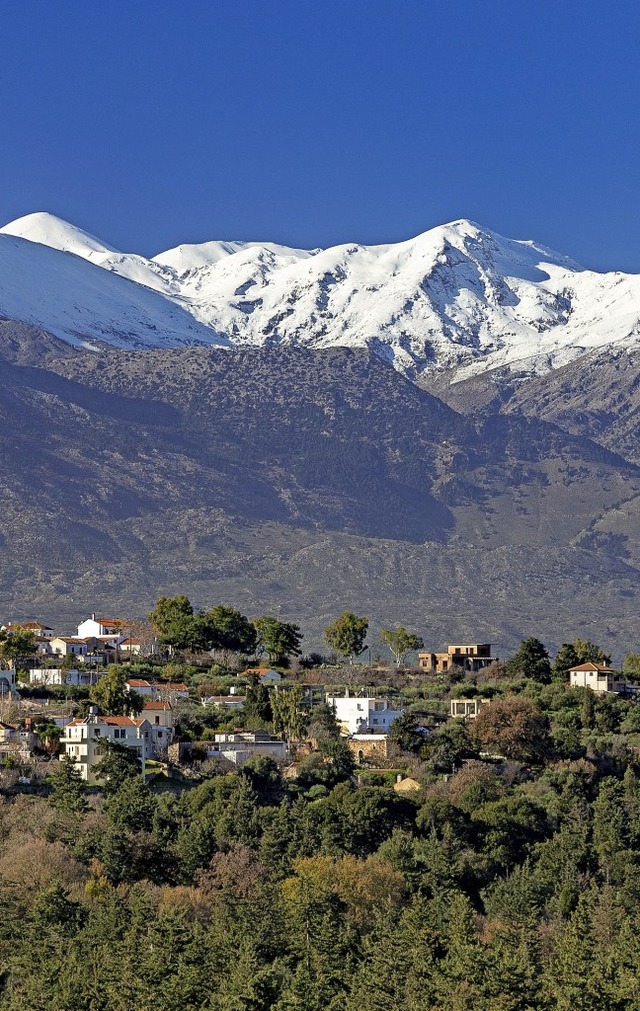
[{"x": 457, "y": 298}]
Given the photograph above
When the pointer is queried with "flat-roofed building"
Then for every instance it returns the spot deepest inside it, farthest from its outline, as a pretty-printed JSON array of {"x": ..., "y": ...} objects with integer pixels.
[{"x": 472, "y": 656}]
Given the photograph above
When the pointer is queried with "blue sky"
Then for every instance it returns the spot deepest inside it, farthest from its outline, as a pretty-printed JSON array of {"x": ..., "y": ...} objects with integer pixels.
[{"x": 313, "y": 123}]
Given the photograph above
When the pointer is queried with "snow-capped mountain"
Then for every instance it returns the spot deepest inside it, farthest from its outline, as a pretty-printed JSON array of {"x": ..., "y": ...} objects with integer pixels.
[{"x": 458, "y": 296}]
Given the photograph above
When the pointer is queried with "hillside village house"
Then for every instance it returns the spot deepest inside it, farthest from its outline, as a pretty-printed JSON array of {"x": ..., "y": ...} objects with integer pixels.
[
  {"x": 368, "y": 747},
  {"x": 159, "y": 716},
  {"x": 82, "y": 740},
  {"x": 101, "y": 628},
  {"x": 599, "y": 678},
  {"x": 166, "y": 691},
  {"x": 62, "y": 645},
  {"x": 141, "y": 686},
  {"x": 357, "y": 714},
  {"x": 224, "y": 701},
  {"x": 8, "y": 733},
  {"x": 469, "y": 656},
  {"x": 40, "y": 630},
  {"x": 60, "y": 676},
  {"x": 240, "y": 746}
]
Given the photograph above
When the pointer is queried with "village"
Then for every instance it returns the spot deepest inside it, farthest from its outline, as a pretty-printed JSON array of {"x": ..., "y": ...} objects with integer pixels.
[
  {"x": 49, "y": 709},
  {"x": 162, "y": 791}
]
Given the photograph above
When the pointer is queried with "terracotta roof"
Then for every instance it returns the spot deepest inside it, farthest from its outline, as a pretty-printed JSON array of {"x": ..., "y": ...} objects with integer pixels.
[
  {"x": 173, "y": 686},
  {"x": 157, "y": 706},
  {"x": 139, "y": 683},
  {"x": 601, "y": 668},
  {"x": 111, "y": 721}
]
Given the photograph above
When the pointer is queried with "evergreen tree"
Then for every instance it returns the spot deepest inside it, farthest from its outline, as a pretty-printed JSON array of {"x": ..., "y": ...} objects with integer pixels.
[
  {"x": 67, "y": 791},
  {"x": 279, "y": 639},
  {"x": 531, "y": 661}
]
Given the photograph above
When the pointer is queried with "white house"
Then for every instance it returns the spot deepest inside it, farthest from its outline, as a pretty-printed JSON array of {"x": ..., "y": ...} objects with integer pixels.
[
  {"x": 82, "y": 740},
  {"x": 357, "y": 714},
  {"x": 65, "y": 645},
  {"x": 141, "y": 686},
  {"x": 60, "y": 676},
  {"x": 597, "y": 677},
  {"x": 101, "y": 628}
]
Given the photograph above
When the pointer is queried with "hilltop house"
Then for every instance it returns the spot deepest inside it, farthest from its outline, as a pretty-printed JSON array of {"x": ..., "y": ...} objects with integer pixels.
[
  {"x": 469, "y": 656},
  {"x": 599, "y": 678}
]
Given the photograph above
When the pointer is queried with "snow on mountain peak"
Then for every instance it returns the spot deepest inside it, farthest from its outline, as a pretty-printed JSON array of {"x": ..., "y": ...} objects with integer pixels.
[
  {"x": 51, "y": 231},
  {"x": 458, "y": 297}
]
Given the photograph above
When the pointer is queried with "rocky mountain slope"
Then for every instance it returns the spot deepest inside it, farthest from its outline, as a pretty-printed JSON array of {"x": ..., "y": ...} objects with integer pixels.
[
  {"x": 458, "y": 298},
  {"x": 301, "y": 482}
]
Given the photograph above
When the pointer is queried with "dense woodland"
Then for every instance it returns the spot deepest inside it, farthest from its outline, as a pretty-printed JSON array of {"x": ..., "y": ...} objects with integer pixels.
[{"x": 508, "y": 882}]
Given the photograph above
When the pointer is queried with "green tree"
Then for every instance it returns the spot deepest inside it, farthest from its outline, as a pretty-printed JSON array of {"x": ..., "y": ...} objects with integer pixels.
[
  {"x": 131, "y": 807},
  {"x": 347, "y": 635},
  {"x": 112, "y": 695},
  {"x": 176, "y": 625},
  {"x": 229, "y": 630},
  {"x": 406, "y": 731},
  {"x": 67, "y": 792},
  {"x": 279, "y": 639},
  {"x": 265, "y": 779},
  {"x": 631, "y": 665},
  {"x": 588, "y": 652},
  {"x": 118, "y": 764},
  {"x": 400, "y": 642},
  {"x": 15, "y": 644},
  {"x": 531, "y": 660},
  {"x": 566, "y": 658},
  {"x": 257, "y": 707},
  {"x": 289, "y": 716}
]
